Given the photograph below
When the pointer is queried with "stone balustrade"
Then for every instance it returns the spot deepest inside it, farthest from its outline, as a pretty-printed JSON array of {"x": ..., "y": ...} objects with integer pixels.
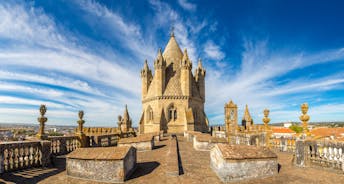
[
  {"x": 257, "y": 139},
  {"x": 99, "y": 130},
  {"x": 104, "y": 140},
  {"x": 27, "y": 154},
  {"x": 24, "y": 154},
  {"x": 325, "y": 154},
  {"x": 61, "y": 145},
  {"x": 283, "y": 144}
]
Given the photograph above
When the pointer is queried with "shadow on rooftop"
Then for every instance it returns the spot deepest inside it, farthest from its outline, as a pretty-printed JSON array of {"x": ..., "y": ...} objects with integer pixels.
[
  {"x": 144, "y": 168},
  {"x": 159, "y": 146},
  {"x": 34, "y": 175}
]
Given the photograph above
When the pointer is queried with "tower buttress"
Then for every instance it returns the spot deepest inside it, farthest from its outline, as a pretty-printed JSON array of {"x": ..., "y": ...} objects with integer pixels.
[
  {"x": 146, "y": 77},
  {"x": 185, "y": 76},
  {"x": 200, "y": 79},
  {"x": 159, "y": 73}
]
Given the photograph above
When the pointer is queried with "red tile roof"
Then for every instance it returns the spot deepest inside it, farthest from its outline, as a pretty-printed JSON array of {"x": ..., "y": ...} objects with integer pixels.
[
  {"x": 325, "y": 131},
  {"x": 282, "y": 130}
]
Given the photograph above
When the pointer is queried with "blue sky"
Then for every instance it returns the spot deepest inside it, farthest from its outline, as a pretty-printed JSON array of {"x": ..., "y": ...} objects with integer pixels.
[{"x": 86, "y": 55}]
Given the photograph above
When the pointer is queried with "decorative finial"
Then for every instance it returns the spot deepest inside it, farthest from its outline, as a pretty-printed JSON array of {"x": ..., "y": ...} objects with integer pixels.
[
  {"x": 304, "y": 118},
  {"x": 266, "y": 118},
  {"x": 42, "y": 109},
  {"x": 80, "y": 130},
  {"x": 172, "y": 31},
  {"x": 42, "y": 119},
  {"x": 81, "y": 115}
]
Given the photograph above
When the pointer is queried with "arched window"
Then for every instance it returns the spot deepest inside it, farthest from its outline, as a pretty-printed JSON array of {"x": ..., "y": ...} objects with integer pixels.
[
  {"x": 149, "y": 114},
  {"x": 172, "y": 113}
]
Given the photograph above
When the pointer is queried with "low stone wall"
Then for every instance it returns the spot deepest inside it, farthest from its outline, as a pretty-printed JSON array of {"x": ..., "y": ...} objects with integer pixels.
[
  {"x": 157, "y": 136},
  {"x": 172, "y": 165},
  {"x": 233, "y": 163},
  {"x": 141, "y": 143},
  {"x": 190, "y": 135},
  {"x": 219, "y": 134},
  {"x": 205, "y": 142},
  {"x": 111, "y": 164}
]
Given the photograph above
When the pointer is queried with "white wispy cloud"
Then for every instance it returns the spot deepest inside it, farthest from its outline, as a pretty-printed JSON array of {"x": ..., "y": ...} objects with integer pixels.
[
  {"x": 254, "y": 83},
  {"x": 187, "y": 5},
  {"x": 213, "y": 51},
  {"x": 38, "y": 44}
]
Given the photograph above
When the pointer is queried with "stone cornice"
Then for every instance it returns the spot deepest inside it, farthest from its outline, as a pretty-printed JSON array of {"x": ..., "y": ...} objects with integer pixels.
[{"x": 171, "y": 98}]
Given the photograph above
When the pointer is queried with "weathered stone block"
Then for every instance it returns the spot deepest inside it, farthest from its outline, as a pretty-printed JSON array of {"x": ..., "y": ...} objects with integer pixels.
[
  {"x": 108, "y": 164},
  {"x": 190, "y": 135},
  {"x": 233, "y": 163},
  {"x": 205, "y": 142},
  {"x": 143, "y": 142}
]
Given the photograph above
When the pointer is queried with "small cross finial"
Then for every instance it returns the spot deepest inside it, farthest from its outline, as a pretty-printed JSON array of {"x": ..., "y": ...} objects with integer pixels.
[{"x": 172, "y": 31}]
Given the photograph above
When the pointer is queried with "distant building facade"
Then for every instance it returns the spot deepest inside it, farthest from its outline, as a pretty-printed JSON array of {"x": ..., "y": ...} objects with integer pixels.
[{"x": 173, "y": 98}]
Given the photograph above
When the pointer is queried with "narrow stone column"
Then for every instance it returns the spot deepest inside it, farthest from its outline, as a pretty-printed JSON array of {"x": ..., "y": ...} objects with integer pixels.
[
  {"x": 41, "y": 135},
  {"x": 299, "y": 158},
  {"x": 266, "y": 120},
  {"x": 2, "y": 169},
  {"x": 45, "y": 153}
]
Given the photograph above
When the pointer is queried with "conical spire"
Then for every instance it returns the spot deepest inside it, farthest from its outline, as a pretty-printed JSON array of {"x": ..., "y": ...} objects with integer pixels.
[
  {"x": 172, "y": 52},
  {"x": 199, "y": 71},
  {"x": 160, "y": 61},
  {"x": 186, "y": 61},
  {"x": 185, "y": 56},
  {"x": 160, "y": 57},
  {"x": 145, "y": 65},
  {"x": 126, "y": 114},
  {"x": 247, "y": 115},
  {"x": 145, "y": 72}
]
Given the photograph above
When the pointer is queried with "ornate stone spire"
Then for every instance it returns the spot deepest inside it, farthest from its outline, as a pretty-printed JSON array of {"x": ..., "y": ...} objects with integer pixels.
[
  {"x": 160, "y": 61},
  {"x": 247, "y": 115},
  {"x": 186, "y": 62},
  {"x": 126, "y": 114},
  {"x": 145, "y": 70},
  {"x": 199, "y": 70},
  {"x": 145, "y": 65}
]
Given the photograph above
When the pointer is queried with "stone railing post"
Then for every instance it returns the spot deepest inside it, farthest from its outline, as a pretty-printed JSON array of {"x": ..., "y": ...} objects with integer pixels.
[
  {"x": 45, "y": 153},
  {"x": 63, "y": 146},
  {"x": 300, "y": 155},
  {"x": 2, "y": 169}
]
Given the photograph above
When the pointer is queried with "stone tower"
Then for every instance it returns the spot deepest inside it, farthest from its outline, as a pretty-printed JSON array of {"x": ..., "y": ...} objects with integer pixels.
[
  {"x": 247, "y": 121},
  {"x": 231, "y": 117},
  {"x": 173, "y": 99},
  {"x": 124, "y": 123}
]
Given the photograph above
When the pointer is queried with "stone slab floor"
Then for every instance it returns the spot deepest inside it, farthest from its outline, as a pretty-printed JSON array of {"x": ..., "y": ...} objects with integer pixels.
[{"x": 195, "y": 169}]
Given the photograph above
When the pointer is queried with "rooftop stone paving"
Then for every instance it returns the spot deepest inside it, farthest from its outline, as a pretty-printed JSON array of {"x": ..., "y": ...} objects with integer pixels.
[{"x": 152, "y": 164}]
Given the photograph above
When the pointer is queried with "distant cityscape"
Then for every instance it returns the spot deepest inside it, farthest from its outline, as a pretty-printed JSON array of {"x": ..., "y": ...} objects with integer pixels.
[{"x": 23, "y": 131}]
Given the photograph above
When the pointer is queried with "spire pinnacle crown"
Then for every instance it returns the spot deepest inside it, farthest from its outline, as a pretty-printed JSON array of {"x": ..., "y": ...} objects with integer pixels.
[
  {"x": 172, "y": 32},
  {"x": 200, "y": 63}
]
